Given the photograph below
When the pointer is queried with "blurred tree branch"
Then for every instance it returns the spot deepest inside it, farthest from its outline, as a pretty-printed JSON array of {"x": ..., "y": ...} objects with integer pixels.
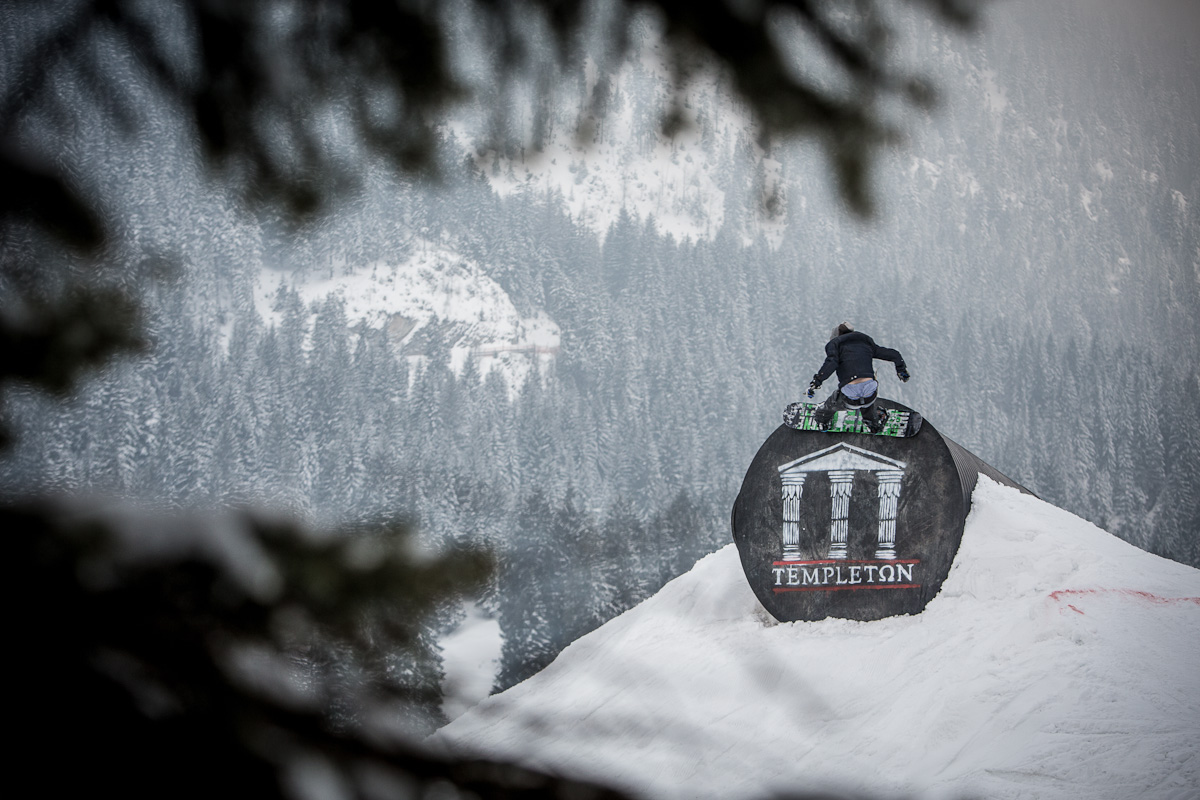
[
  {"x": 252, "y": 78},
  {"x": 259, "y": 83},
  {"x": 152, "y": 653},
  {"x": 165, "y": 656}
]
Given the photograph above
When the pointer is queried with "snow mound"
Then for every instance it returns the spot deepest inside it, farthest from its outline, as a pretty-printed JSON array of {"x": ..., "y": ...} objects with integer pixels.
[{"x": 1057, "y": 661}]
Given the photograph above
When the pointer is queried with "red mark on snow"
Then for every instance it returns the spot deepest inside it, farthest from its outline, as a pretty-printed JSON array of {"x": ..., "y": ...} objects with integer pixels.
[{"x": 1133, "y": 593}]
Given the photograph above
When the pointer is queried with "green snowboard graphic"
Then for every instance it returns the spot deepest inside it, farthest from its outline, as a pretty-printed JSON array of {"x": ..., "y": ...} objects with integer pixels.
[{"x": 900, "y": 424}]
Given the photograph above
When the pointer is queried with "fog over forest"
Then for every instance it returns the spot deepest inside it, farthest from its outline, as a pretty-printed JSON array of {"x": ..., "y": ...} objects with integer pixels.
[{"x": 571, "y": 356}]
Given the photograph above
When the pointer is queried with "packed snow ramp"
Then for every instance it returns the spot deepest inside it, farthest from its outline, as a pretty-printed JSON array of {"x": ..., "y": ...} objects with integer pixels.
[
  {"x": 852, "y": 525},
  {"x": 1058, "y": 662}
]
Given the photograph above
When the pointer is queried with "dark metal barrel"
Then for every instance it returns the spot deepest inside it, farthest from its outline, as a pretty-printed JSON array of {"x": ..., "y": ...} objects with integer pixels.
[
  {"x": 851, "y": 525},
  {"x": 970, "y": 467}
]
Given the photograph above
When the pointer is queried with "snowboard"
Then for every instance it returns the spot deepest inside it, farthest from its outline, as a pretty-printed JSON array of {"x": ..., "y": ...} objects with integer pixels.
[{"x": 899, "y": 425}]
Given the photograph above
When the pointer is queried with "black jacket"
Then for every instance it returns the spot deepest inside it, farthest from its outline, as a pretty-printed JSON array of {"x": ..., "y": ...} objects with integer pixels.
[{"x": 851, "y": 355}]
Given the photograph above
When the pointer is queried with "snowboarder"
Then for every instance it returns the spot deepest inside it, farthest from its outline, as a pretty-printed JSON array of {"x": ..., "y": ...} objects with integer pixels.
[{"x": 851, "y": 354}]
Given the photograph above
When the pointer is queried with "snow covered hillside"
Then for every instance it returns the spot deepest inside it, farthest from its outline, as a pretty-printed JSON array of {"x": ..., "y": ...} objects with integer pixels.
[
  {"x": 432, "y": 285},
  {"x": 1058, "y": 661},
  {"x": 627, "y": 163}
]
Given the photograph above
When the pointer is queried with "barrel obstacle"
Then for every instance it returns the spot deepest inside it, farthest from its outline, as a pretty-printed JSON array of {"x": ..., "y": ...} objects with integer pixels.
[{"x": 852, "y": 525}]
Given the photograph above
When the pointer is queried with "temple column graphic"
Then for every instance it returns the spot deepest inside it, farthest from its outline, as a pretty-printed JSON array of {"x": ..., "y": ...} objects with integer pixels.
[
  {"x": 840, "y": 462},
  {"x": 793, "y": 490},
  {"x": 841, "y": 483},
  {"x": 889, "y": 497}
]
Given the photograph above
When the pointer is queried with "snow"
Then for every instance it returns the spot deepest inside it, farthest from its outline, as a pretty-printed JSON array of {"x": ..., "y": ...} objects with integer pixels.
[
  {"x": 433, "y": 283},
  {"x": 470, "y": 661},
  {"x": 1086, "y": 199},
  {"x": 675, "y": 183},
  {"x": 1057, "y": 661},
  {"x": 624, "y": 165},
  {"x": 995, "y": 97}
]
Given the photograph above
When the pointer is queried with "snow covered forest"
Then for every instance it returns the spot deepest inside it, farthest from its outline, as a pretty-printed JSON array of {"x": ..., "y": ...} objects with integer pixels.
[{"x": 1036, "y": 260}]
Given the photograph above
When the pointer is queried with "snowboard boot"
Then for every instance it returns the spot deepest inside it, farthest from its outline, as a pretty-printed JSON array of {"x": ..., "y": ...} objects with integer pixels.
[{"x": 877, "y": 423}]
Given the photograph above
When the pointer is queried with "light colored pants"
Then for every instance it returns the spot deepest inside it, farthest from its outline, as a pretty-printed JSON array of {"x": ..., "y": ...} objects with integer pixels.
[
  {"x": 837, "y": 401},
  {"x": 857, "y": 392}
]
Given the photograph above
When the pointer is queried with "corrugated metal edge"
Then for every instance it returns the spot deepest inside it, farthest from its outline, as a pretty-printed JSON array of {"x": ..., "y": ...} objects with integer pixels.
[{"x": 970, "y": 466}]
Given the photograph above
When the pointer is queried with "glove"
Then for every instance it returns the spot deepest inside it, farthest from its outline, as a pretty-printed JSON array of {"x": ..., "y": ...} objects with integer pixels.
[
  {"x": 812, "y": 387},
  {"x": 902, "y": 373}
]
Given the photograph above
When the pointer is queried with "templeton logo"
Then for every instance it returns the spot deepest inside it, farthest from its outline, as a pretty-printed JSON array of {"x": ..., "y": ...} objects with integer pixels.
[{"x": 835, "y": 572}]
